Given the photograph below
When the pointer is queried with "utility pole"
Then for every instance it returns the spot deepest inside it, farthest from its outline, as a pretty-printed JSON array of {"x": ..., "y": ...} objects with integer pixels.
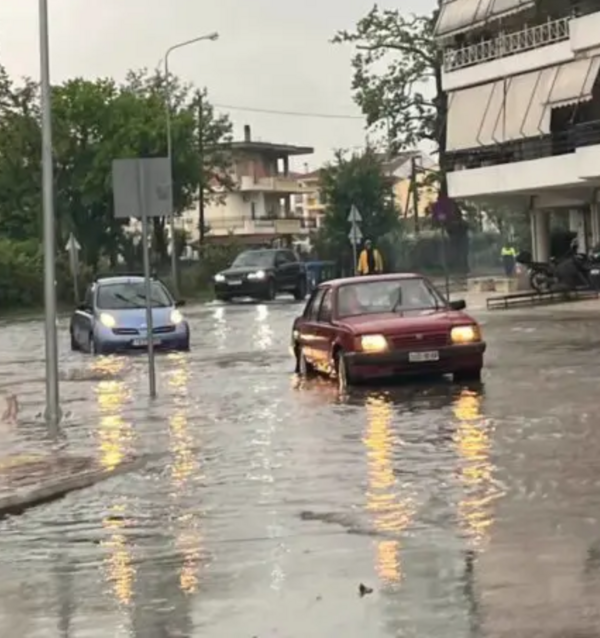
[
  {"x": 201, "y": 224},
  {"x": 415, "y": 191}
]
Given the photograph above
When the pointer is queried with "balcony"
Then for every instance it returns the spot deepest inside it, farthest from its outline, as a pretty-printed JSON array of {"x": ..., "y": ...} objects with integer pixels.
[
  {"x": 276, "y": 184},
  {"x": 507, "y": 44},
  {"x": 565, "y": 160},
  {"x": 241, "y": 226}
]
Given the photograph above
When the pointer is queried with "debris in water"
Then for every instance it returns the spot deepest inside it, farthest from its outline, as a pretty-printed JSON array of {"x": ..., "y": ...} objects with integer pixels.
[{"x": 363, "y": 590}]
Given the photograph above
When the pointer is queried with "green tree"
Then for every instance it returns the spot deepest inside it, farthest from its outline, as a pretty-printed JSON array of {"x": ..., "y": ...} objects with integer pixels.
[
  {"x": 357, "y": 179},
  {"x": 95, "y": 122},
  {"x": 398, "y": 85},
  {"x": 20, "y": 152}
]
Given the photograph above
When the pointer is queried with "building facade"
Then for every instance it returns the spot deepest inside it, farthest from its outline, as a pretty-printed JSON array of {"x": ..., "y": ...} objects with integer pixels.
[
  {"x": 523, "y": 95},
  {"x": 260, "y": 206}
]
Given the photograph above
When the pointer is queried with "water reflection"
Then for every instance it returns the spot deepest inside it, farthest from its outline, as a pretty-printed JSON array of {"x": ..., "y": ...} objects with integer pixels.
[
  {"x": 118, "y": 564},
  {"x": 392, "y": 510},
  {"x": 115, "y": 434},
  {"x": 221, "y": 328},
  {"x": 115, "y": 439},
  {"x": 262, "y": 470},
  {"x": 185, "y": 473},
  {"x": 263, "y": 334},
  {"x": 472, "y": 440}
]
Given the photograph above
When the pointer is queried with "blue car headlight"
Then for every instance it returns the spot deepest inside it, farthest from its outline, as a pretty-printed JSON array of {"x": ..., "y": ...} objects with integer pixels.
[
  {"x": 176, "y": 317},
  {"x": 107, "y": 320}
]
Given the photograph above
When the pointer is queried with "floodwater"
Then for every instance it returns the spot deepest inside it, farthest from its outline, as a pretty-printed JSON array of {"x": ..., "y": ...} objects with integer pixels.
[{"x": 468, "y": 511}]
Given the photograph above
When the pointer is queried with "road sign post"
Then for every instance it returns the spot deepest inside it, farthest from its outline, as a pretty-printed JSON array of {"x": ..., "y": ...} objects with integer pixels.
[
  {"x": 355, "y": 235},
  {"x": 73, "y": 247},
  {"x": 142, "y": 189},
  {"x": 442, "y": 209}
]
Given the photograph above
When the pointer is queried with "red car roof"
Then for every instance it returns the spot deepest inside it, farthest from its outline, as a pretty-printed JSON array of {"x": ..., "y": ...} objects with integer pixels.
[{"x": 371, "y": 278}]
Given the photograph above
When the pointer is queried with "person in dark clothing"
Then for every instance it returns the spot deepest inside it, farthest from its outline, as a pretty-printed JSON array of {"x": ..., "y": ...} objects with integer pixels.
[{"x": 369, "y": 261}]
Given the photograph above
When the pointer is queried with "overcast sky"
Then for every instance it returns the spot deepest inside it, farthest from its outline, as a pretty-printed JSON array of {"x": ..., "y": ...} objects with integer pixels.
[{"x": 272, "y": 54}]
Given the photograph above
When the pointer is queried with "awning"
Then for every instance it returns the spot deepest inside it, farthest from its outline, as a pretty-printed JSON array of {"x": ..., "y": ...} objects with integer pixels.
[
  {"x": 466, "y": 111},
  {"x": 574, "y": 82},
  {"x": 518, "y": 107},
  {"x": 457, "y": 16}
]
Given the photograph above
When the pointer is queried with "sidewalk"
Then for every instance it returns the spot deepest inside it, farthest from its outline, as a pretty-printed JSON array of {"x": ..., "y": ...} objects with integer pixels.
[{"x": 30, "y": 480}]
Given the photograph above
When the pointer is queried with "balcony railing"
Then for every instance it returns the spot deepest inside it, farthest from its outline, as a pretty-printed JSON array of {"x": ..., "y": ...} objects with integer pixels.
[
  {"x": 507, "y": 44},
  {"x": 257, "y": 226},
  {"x": 562, "y": 143},
  {"x": 275, "y": 184}
]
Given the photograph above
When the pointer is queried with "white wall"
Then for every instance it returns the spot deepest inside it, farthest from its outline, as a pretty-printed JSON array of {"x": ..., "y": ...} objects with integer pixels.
[
  {"x": 559, "y": 171},
  {"x": 584, "y": 36}
]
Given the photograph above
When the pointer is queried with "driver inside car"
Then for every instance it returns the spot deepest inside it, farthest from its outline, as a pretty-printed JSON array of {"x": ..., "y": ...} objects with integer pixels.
[{"x": 349, "y": 302}]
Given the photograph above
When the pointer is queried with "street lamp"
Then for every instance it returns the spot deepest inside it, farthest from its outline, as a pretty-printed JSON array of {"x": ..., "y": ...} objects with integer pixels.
[
  {"x": 180, "y": 45},
  {"x": 53, "y": 413}
]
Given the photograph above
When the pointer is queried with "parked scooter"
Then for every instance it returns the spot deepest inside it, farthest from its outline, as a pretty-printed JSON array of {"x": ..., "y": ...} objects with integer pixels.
[
  {"x": 574, "y": 270},
  {"x": 542, "y": 275}
]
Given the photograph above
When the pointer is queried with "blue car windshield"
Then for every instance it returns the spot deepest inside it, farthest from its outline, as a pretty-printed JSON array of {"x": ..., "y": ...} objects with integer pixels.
[{"x": 127, "y": 294}]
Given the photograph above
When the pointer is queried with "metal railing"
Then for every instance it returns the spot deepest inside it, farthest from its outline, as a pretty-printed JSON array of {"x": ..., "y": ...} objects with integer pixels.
[
  {"x": 561, "y": 143},
  {"x": 507, "y": 44}
]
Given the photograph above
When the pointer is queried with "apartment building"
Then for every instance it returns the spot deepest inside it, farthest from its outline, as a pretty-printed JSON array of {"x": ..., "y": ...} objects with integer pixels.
[
  {"x": 521, "y": 78},
  {"x": 260, "y": 206}
]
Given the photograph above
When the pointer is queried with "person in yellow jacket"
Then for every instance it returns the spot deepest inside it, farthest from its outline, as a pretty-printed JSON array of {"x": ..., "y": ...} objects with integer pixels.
[
  {"x": 509, "y": 259},
  {"x": 369, "y": 260}
]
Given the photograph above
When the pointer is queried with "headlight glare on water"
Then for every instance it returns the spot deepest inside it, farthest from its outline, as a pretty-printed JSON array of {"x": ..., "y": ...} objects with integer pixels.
[
  {"x": 373, "y": 343},
  {"x": 465, "y": 334}
]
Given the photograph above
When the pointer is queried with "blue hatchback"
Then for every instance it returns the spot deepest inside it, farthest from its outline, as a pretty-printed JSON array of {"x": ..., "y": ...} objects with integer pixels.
[{"x": 113, "y": 318}]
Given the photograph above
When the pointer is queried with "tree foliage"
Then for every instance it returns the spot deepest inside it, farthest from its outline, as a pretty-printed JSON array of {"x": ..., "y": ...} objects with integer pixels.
[
  {"x": 94, "y": 122},
  {"x": 358, "y": 179},
  {"x": 398, "y": 85},
  {"x": 397, "y": 76}
]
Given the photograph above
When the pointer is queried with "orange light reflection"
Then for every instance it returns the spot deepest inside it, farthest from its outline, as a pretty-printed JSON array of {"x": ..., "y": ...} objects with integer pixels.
[
  {"x": 392, "y": 513},
  {"x": 115, "y": 439},
  {"x": 185, "y": 472},
  {"x": 472, "y": 440}
]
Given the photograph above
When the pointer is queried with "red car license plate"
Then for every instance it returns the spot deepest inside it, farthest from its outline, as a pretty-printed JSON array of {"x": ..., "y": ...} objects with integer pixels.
[{"x": 423, "y": 357}]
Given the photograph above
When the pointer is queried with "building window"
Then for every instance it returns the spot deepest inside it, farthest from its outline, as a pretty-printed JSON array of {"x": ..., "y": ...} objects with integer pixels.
[{"x": 252, "y": 210}]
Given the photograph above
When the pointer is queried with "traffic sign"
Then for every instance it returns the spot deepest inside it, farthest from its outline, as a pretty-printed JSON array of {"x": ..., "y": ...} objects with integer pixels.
[
  {"x": 442, "y": 209},
  {"x": 355, "y": 235},
  {"x": 72, "y": 244},
  {"x": 354, "y": 217}
]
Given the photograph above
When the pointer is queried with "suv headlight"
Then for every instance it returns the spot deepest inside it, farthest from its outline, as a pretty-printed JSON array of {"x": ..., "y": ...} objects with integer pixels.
[
  {"x": 108, "y": 321},
  {"x": 219, "y": 278},
  {"x": 176, "y": 317},
  {"x": 260, "y": 274},
  {"x": 465, "y": 334},
  {"x": 373, "y": 343}
]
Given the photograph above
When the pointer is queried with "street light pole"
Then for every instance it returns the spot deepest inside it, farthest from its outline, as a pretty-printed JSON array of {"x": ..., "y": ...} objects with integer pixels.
[
  {"x": 53, "y": 412},
  {"x": 168, "y": 107}
]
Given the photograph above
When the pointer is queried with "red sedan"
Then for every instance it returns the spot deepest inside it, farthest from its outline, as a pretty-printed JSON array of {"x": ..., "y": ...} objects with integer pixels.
[{"x": 386, "y": 325}]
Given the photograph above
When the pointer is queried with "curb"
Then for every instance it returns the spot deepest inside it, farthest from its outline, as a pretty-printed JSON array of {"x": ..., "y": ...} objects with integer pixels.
[{"x": 27, "y": 498}]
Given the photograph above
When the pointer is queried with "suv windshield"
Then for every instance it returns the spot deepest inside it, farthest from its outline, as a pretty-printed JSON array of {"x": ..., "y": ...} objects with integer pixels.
[
  {"x": 123, "y": 295},
  {"x": 254, "y": 259},
  {"x": 396, "y": 295}
]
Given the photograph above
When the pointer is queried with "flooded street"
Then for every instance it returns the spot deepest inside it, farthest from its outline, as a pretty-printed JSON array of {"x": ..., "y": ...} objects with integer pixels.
[{"x": 469, "y": 511}]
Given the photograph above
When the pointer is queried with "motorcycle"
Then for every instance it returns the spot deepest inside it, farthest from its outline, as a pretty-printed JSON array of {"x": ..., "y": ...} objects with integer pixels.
[
  {"x": 574, "y": 270},
  {"x": 543, "y": 276}
]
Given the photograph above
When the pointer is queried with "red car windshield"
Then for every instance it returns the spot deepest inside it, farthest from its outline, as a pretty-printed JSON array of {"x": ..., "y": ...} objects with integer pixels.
[{"x": 395, "y": 295}]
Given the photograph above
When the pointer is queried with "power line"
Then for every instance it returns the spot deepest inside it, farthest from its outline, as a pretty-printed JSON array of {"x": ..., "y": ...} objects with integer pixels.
[{"x": 326, "y": 116}]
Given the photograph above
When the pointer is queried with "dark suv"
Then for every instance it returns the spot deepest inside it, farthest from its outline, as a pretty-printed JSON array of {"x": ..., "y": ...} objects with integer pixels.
[{"x": 262, "y": 274}]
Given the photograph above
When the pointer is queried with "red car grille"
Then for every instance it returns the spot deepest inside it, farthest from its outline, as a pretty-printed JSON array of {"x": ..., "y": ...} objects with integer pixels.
[{"x": 420, "y": 341}]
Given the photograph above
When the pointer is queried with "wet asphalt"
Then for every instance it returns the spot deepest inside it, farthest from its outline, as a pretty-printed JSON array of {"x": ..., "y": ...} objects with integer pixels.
[{"x": 468, "y": 511}]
